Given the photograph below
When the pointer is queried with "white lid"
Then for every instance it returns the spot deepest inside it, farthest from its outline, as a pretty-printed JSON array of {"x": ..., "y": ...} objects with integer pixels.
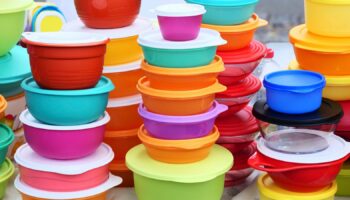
[
  {"x": 140, "y": 25},
  {"x": 338, "y": 149},
  {"x": 206, "y": 38},
  {"x": 26, "y": 157},
  {"x": 180, "y": 10},
  {"x": 124, "y": 101},
  {"x": 122, "y": 68},
  {"x": 64, "y": 38},
  {"x": 26, "y": 189},
  {"x": 27, "y": 118}
]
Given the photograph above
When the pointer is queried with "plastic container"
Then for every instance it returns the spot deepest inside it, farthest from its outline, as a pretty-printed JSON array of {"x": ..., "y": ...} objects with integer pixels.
[
  {"x": 17, "y": 142},
  {"x": 239, "y": 64},
  {"x": 241, "y": 157},
  {"x": 64, "y": 176},
  {"x": 123, "y": 47},
  {"x": 183, "y": 79},
  {"x": 47, "y": 18},
  {"x": 125, "y": 77},
  {"x": 178, "y": 103},
  {"x": 178, "y": 181},
  {"x": 121, "y": 142},
  {"x": 66, "y": 60},
  {"x": 238, "y": 96},
  {"x": 123, "y": 112},
  {"x": 173, "y": 54},
  {"x": 107, "y": 14},
  {"x": 309, "y": 132},
  {"x": 238, "y": 36},
  {"x": 271, "y": 191},
  {"x": 343, "y": 128},
  {"x": 343, "y": 180},
  {"x": 225, "y": 13},
  {"x": 237, "y": 177},
  {"x": 52, "y": 141},
  {"x": 7, "y": 169},
  {"x": 67, "y": 108},
  {"x": 180, "y": 127},
  {"x": 12, "y": 20},
  {"x": 6, "y": 138},
  {"x": 96, "y": 193},
  {"x": 328, "y": 18},
  {"x": 15, "y": 105},
  {"x": 295, "y": 86},
  {"x": 178, "y": 151},
  {"x": 121, "y": 170},
  {"x": 3, "y": 106},
  {"x": 15, "y": 68},
  {"x": 326, "y": 55},
  {"x": 173, "y": 17}
]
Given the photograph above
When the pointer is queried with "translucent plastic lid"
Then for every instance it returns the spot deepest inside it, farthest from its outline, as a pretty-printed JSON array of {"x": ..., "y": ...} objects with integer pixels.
[{"x": 179, "y": 10}]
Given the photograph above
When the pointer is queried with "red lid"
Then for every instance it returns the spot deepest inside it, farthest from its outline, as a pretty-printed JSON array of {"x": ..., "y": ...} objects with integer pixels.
[
  {"x": 241, "y": 123},
  {"x": 247, "y": 86},
  {"x": 255, "y": 51},
  {"x": 344, "y": 124}
]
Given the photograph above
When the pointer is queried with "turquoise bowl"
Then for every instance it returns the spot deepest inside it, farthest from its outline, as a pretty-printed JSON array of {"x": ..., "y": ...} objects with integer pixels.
[{"x": 67, "y": 107}]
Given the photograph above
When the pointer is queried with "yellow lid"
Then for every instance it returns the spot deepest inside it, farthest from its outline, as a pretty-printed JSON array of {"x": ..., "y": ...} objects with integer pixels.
[
  {"x": 270, "y": 190},
  {"x": 334, "y": 2}
]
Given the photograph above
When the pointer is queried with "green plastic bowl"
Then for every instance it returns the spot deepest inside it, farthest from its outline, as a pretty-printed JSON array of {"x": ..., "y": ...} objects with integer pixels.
[
  {"x": 343, "y": 180},
  {"x": 203, "y": 180},
  {"x": 6, "y": 171},
  {"x": 6, "y": 138}
]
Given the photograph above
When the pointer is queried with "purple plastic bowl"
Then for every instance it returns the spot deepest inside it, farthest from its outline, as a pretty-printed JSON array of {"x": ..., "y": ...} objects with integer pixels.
[
  {"x": 180, "y": 127},
  {"x": 63, "y": 142}
]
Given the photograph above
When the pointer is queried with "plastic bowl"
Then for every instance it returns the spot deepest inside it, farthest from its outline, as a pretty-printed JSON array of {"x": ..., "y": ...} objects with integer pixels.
[
  {"x": 7, "y": 170},
  {"x": 183, "y": 79},
  {"x": 343, "y": 179},
  {"x": 107, "y": 14},
  {"x": 66, "y": 60},
  {"x": 178, "y": 103},
  {"x": 178, "y": 151},
  {"x": 226, "y": 12},
  {"x": 51, "y": 141},
  {"x": 238, "y": 36},
  {"x": 125, "y": 77},
  {"x": 237, "y": 177},
  {"x": 3, "y": 106},
  {"x": 66, "y": 108},
  {"x": 123, "y": 112},
  {"x": 6, "y": 138},
  {"x": 121, "y": 170},
  {"x": 121, "y": 142},
  {"x": 180, "y": 127},
  {"x": 172, "y": 18},
  {"x": 16, "y": 104},
  {"x": 241, "y": 157}
]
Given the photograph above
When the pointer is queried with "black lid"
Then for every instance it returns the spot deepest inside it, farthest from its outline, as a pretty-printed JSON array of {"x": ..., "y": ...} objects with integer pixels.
[{"x": 330, "y": 112}]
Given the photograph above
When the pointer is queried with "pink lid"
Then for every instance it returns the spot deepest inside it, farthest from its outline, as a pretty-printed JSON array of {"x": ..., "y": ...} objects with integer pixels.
[{"x": 247, "y": 86}]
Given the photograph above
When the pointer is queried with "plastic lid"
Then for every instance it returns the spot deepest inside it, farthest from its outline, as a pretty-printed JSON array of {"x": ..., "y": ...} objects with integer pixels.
[
  {"x": 248, "y": 86},
  {"x": 330, "y": 112},
  {"x": 7, "y": 169},
  {"x": 82, "y": 194},
  {"x": 241, "y": 123},
  {"x": 12, "y": 6},
  {"x": 223, "y": 2},
  {"x": 179, "y": 10},
  {"x": 217, "y": 163},
  {"x": 27, "y": 119},
  {"x": 124, "y": 101},
  {"x": 14, "y": 66},
  {"x": 206, "y": 38},
  {"x": 254, "y": 52},
  {"x": 63, "y": 39},
  {"x": 270, "y": 190},
  {"x": 344, "y": 124},
  {"x": 122, "y": 68},
  {"x": 6, "y": 136},
  {"x": 302, "y": 38},
  {"x": 140, "y": 25},
  {"x": 336, "y": 2},
  {"x": 26, "y": 157},
  {"x": 47, "y": 18}
]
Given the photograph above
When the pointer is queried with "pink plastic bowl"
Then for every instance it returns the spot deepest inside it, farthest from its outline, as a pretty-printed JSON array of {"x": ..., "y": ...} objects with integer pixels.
[{"x": 63, "y": 142}]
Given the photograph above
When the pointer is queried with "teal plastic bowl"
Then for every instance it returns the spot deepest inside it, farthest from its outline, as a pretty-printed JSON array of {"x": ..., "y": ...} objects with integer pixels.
[
  {"x": 6, "y": 138},
  {"x": 227, "y": 12},
  {"x": 67, "y": 107}
]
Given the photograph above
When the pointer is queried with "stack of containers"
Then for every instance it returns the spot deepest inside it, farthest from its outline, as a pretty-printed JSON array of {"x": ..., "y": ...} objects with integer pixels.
[
  {"x": 179, "y": 158},
  {"x": 237, "y": 23},
  {"x": 322, "y": 45},
  {"x": 64, "y": 126},
  {"x": 123, "y": 66}
]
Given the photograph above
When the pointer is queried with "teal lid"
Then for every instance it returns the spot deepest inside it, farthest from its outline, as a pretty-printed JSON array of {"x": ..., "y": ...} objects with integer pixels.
[
  {"x": 223, "y": 2},
  {"x": 6, "y": 136}
]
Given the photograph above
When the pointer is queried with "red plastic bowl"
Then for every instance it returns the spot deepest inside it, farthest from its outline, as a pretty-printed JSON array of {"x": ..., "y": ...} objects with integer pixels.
[
  {"x": 235, "y": 147},
  {"x": 298, "y": 177},
  {"x": 107, "y": 14},
  {"x": 237, "y": 177}
]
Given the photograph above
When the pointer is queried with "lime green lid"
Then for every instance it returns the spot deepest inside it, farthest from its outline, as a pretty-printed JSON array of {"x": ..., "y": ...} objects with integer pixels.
[
  {"x": 11, "y": 6},
  {"x": 6, "y": 170},
  {"x": 218, "y": 162}
]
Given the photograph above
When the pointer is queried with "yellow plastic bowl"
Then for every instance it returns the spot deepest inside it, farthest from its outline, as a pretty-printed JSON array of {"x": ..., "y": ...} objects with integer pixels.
[
  {"x": 328, "y": 17},
  {"x": 270, "y": 191}
]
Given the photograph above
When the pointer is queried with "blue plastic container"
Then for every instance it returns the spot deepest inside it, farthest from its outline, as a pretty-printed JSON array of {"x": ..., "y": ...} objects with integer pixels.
[
  {"x": 226, "y": 12},
  {"x": 294, "y": 91},
  {"x": 67, "y": 107}
]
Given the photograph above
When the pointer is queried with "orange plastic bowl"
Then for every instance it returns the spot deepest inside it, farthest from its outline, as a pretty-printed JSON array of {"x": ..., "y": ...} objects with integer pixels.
[
  {"x": 121, "y": 170},
  {"x": 183, "y": 78},
  {"x": 3, "y": 106},
  {"x": 178, "y": 103},
  {"x": 121, "y": 142},
  {"x": 178, "y": 151},
  {"x": 102, "y": 196},
  {"x": 238, "y": 36}
]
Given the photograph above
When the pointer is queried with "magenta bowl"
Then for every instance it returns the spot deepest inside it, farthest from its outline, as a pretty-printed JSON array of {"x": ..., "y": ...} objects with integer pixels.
[
  {"x": 63, "y": 142},
  {"x": 180, "y": 127}
]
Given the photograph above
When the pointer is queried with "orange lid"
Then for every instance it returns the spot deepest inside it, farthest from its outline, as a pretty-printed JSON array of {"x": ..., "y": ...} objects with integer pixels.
[{"x": 3, "y": 104}]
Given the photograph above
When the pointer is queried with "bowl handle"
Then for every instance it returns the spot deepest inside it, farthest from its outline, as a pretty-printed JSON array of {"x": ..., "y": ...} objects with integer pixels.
[{"x": 262, "y": 23}]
